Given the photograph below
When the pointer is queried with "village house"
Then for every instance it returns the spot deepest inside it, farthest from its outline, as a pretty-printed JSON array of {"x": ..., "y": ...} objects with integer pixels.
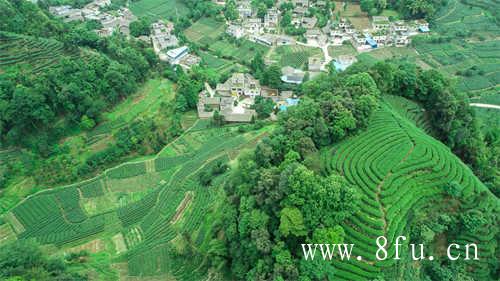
[
  {"x": 292, "y": 75},
  {"x": 296, "y": 20},
  {"x": 266, "y": 39},
  {"x": 253, "y": 26},
  {"x": 358, "y": 39},
  {"x": 161, "y": 36},
  {"x": 314, "y": 64},
  {"x": 399, "y": 26},
  {"x": 66, "y": 13},
  {"x": 381, "y": 38},
  {"x": 401, "y": 40},
  {"x": 244, "y": 9},
  {"x": 236, "y": 31},
  {"x": 301, "y": 3},
  {"x": 282, "y": 40},
  {"x": 189, "y": 60},
  {"x": 313, "y": 34},
  {"x": 319, "y": 4},
  {"x": 341, "y": 63},
  {"x": 380, "y": 22},
  {"x": 423, "y": 26},
  {"x": 309, "y": 22},
  {"x": 271, "y": 19},
  {"x": 234, "y": 99},
  {"x": 240, "y": 84},
  {"x": 175, "y": 55}
]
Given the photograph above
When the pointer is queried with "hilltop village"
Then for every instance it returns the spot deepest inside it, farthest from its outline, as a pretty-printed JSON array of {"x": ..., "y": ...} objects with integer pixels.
[{"x": 287, "y": 23}]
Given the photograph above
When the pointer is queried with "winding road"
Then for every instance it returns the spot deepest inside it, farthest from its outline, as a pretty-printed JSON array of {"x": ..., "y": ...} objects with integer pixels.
[
  {"x": 323, "y": 48},
  {"x": 485, "y": 105}
]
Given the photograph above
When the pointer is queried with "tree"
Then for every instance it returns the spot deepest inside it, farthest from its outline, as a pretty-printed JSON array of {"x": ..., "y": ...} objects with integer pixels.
[
  {"x": 367, "y": 5},
  {"x": 261, "y": 10},
  {"x": 230, "y": 11},
  {"x": 272, "y": 76},
  {"x": 263, "y": 106},
  {"x": 257, "y": 65},
  {"x": 332, "y": 235},
  {"x": 140, "y": 27},
  {"x": 322, "y": 201},
  {"x": 23, "y": 259},
  {"x": 217, "y": 119},
  {"x": 86, "y": 123},
  {"x": 292, "y": 222}
]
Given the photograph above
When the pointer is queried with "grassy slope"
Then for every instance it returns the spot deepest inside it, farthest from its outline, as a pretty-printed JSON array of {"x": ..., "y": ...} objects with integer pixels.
[
  {"x": 37, "y": 53},
  {"x": 81, "y": 145},
  {"x": 399, "y": 170},
  {"x": 404, "y": 172},
  {"x": 137, "y": 201},
  {"x": 156, "y": 9}
]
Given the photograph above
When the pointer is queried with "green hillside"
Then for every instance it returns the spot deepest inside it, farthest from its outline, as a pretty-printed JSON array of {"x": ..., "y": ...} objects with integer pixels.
[
  {"x": 400, "y": 171},
  {"x": 158, "y": 213},
  {"x": 37, "y": 53}
]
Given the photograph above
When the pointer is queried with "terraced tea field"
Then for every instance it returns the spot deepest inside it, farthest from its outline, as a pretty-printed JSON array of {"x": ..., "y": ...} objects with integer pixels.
[
  {"x": 241, "y": 52},
  {"x": 205, "y": 31},
  {"x": 475, "y": 46},
  {"x": 140, "y": 207},
  {"x": 296, "y": 56},
  {"x": 155, "y": 9},
  {"x": 36, "y": 52},
  {"x": 400, "y": 170}
]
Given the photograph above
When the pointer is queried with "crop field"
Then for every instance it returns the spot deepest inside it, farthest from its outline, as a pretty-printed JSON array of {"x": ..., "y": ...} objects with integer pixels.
[
  {"x": 343, "y": 50},
  {"x": 352, "y": 11},
  {"x": 477, "y": 50},
  {"x": 398, "y": 170},
  {"x": 152, "y": 210},
  {"x": 411, "y": 111},
  {"x": 392, "y": 52},
  {"x": 220, "y": 65},
  {"x": 36, "y": 52},
  {"x": 158, "y": 9},
  {"x": 489, "y": 118},
  {"x": 205, "y": 31},
  {"x": 459, "y": 16},
  {"x": 454, "y": 58},
  {"x": 296, "y": 56},
  {"x": 243, "y": 51}
]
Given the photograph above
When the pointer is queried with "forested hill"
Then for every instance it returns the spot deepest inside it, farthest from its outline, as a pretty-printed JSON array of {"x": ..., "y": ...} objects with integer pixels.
[
  {"x": 56, "y": 75},
  {"x": 349, "y": 165}
]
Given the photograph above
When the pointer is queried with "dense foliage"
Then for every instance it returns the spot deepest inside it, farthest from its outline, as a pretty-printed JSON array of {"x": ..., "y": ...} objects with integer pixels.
[
  {"x": 457, "y": 126},
  {"x": 23, "y": 260},
  {"x": 408, "y": 8},
  {"x": 276, "y": 201},
  {"x": 77, "y": 89}
]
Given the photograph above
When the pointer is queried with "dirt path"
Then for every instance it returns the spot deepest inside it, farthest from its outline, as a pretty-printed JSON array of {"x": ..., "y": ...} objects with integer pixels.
[
  {"x": 449, "y": 12},
  {"x": 324, "y": 49},
  {"x": 485, "y": 105},
  {"x": 104, "y": 173}
]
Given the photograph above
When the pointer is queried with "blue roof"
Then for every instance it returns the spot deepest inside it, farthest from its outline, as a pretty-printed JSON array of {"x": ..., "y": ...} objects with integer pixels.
[
  {"x": 291, "y": 101},
  {"x": 423, "y": 28},
  {"x": 371, "y": 42},
  {"x": 339, "y": 66}
]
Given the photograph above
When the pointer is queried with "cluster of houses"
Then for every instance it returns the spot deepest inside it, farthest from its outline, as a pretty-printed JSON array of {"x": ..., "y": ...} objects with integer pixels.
[
  {"x": 382, "y": 33},
  {"x": 166, "y": 45},
  {"x": 118, "y": 21},
  {"x": 234, "y": 99}
]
